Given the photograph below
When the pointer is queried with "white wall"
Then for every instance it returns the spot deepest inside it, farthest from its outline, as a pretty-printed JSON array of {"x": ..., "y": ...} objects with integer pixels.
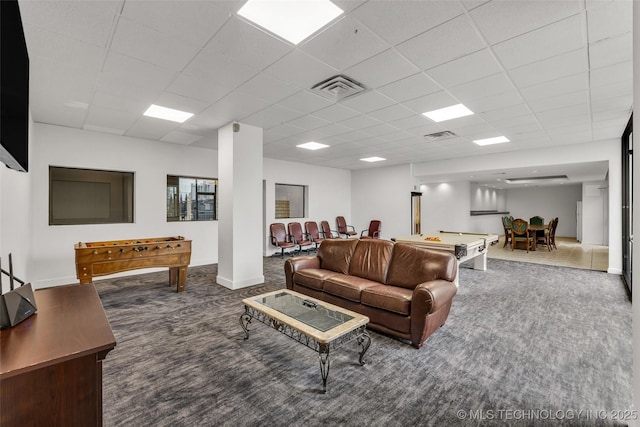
[
  {"x": 594, "y": 215},
  {"x": 15, "y": 219},
  {"x": 52, "y": 254},
  {"x": 608, "y": 150},
  {"x": 548, "y": 202},
  {"x": 329, "y": 193},
  {"x": 383, "y": 194}
]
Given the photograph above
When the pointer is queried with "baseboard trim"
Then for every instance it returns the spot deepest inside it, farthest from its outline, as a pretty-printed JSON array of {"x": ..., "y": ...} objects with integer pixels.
[{"x": 230, "y": 284}]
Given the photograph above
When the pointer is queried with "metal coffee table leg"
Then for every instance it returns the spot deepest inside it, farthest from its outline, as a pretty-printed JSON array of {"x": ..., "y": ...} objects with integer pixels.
[{"x": 323, "y": 355}]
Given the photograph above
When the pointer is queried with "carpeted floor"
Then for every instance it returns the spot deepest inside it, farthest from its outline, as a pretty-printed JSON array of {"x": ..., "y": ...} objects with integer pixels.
[{"x": 524, "y": 345}]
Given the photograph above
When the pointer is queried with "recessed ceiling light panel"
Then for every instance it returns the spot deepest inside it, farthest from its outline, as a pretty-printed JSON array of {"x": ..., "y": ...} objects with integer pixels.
[
  {"x": 312, "y": 145},
  {"x": 293, "y": 20},
  {"x": 448, "y": 113},
  {"x": 373, "y": 159},
  {"x": 490, "y": 141},
  {"x": 167, "y": 113}
]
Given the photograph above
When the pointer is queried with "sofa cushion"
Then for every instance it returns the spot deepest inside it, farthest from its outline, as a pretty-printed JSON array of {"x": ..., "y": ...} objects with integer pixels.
[
  {"x": 335, "y": 254},
  {"x": 347, "y": 287},
  {"x": 411, "y": 265},
  {"x": 370, "y": 259},
  {"x": 391, "y": 298},
  {"x": 313, "y": 277}
]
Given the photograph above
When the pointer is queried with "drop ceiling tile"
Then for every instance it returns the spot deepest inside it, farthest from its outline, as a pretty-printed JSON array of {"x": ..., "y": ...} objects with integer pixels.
[
  {"x": 384, "y": 68},
  {"x": 336, "y": 113},
  {"x": 410, "y": 87},
  {"x": 151, "y": 128},
  {"x": 551, "y": 40},
  {"x": 271, "y": 116},
  {"x": 182, "y": 138},
  {"x": 53, "y": 111},
  {"x": 198, "y": 88},
  {"x": 368, "y": 101},
  {"x": 300, "y": 69},
  {"x": 219, "y": 69},
  {"x": 380, "y": 130},
  {"x": 179, "y": 102},
  {"x": 405, "y": 19},
  {"x": 279, "y": 132},
  {"x": 611, "y": 51},
  {"x": 468, "y": 68},
  {"x": 332, "y": 129},
  {"x": 431, "y": 102},
  {"x": 132, "y": 78},
  {"x": 625, "y": 101},
  {"x": 417, "y": 121},
  {"x": 563, "y": 85},
  {"x": 611, "y": 91},
  {"x": 483, "y": 87},
  {"x": 63, "y": 81},
  {"x": 152, "y": 46},
  {"x": 305, "y": 102},
  {"x": 192, "y": 21},
  {"x": 391, "y": 113},
  {"x": 563, "y": 100},
  {"x": 120, "y": 103},
  {"x": 519, "y": 17},
  {"x": 233, "y": 107},
  {"x": 617, "y": 73},
  {"x": 308, "y": 122},
  {"x": 265, "y": 87},
  {"x": 506, "y": 112},
  {"x": 451, "y": 40},
  {"x": 359, "y": 122},
  {"x": 344, "y": 44},
  {"x": 107, "y": 118},
  {"x": 550, "y": 69},
  {"x": 88, "y": 22},
  {"x": 609, "y": 19},
  {"x": 246, "y": 44}
]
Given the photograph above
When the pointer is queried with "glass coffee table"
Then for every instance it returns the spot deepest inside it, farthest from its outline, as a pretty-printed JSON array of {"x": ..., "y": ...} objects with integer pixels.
[{"x": 318, "y": 325}]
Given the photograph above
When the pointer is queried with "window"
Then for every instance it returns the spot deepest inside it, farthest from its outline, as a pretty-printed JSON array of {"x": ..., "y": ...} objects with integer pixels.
[
  {"x": 86, "y": 196},
  {"x": 191, "y": 199},
  {"x": 291, "y": 201}
]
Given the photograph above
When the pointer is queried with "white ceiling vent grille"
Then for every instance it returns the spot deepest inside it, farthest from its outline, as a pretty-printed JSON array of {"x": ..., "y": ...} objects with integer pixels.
[
  {"x": 438, "y": 136},
  {"x": 338, "y": 87}
]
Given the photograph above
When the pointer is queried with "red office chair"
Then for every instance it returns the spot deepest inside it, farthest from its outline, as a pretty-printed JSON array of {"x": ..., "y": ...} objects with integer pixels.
[
  {"x": 343, "y": 228},
  {"x": 298, "y": 237},
  {"x": 280, "y": 238},
  {"x": 373, "y": 232},
  {"x": 313, "y": 233},
  {"x": 327, "y": 232}
]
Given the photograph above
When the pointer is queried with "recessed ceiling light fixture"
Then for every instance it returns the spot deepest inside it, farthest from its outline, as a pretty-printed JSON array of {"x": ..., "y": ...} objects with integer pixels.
[
  {"x": 312, "y": 145},
  {"x": 448, "y": 113},
  {"x": 373, "y": 159},
  {"x": 167, "y": 113},
  {"x": 293, "y": 20},
  {"x": 490, "y": 141}
]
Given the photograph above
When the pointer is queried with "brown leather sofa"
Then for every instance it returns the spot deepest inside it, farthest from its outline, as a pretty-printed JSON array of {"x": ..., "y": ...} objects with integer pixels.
[{"x": 405, "y": 290}]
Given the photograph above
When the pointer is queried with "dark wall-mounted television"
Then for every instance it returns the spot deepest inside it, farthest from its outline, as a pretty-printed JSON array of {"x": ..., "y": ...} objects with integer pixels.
[{"x": 14, "y": 89}]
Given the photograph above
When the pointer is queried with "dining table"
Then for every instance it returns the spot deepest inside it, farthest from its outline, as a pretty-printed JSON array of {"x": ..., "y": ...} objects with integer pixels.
[{"x": 534, "y": 228}]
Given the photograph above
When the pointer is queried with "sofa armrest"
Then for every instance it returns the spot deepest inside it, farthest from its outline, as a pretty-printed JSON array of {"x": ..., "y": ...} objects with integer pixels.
[
  {"x": 429, "y": 297},
  {"x": 298, "y": 263},
  {"x": 430, "y": 304}
]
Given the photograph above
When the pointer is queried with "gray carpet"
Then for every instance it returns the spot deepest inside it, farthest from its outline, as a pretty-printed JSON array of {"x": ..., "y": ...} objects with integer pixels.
[{"x": 524, "y": 345}]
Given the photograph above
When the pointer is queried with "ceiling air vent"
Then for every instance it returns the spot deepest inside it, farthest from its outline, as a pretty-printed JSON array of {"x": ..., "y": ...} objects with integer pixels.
[
  {"x": 439, "y": 136},
  {"x": 338, "y": 87}
]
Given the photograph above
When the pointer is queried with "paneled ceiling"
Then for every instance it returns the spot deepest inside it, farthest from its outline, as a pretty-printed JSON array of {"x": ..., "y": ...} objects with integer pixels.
[{"x": 542, "y": 73}]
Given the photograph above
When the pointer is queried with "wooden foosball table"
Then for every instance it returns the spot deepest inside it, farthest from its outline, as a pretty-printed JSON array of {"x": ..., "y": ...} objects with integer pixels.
[{"x": 95, "y": 259}]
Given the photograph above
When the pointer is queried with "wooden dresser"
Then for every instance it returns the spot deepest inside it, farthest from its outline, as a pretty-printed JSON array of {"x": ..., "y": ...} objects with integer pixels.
[{"x": 51, "y": 363}]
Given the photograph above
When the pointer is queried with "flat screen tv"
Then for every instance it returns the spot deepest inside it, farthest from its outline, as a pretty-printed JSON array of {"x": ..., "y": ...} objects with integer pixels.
[{"x": 14, "y": 89}]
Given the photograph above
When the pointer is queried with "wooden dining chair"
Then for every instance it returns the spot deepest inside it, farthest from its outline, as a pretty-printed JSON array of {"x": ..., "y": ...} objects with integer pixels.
[
  {"x": 520, "y": 233},
  {"x": 506, "y": 224},
  {"x": 545, "y": 239}
]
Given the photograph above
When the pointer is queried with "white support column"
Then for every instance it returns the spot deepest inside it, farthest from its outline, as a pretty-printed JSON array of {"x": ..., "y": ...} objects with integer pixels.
[{"x": 240, "y": 206}]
